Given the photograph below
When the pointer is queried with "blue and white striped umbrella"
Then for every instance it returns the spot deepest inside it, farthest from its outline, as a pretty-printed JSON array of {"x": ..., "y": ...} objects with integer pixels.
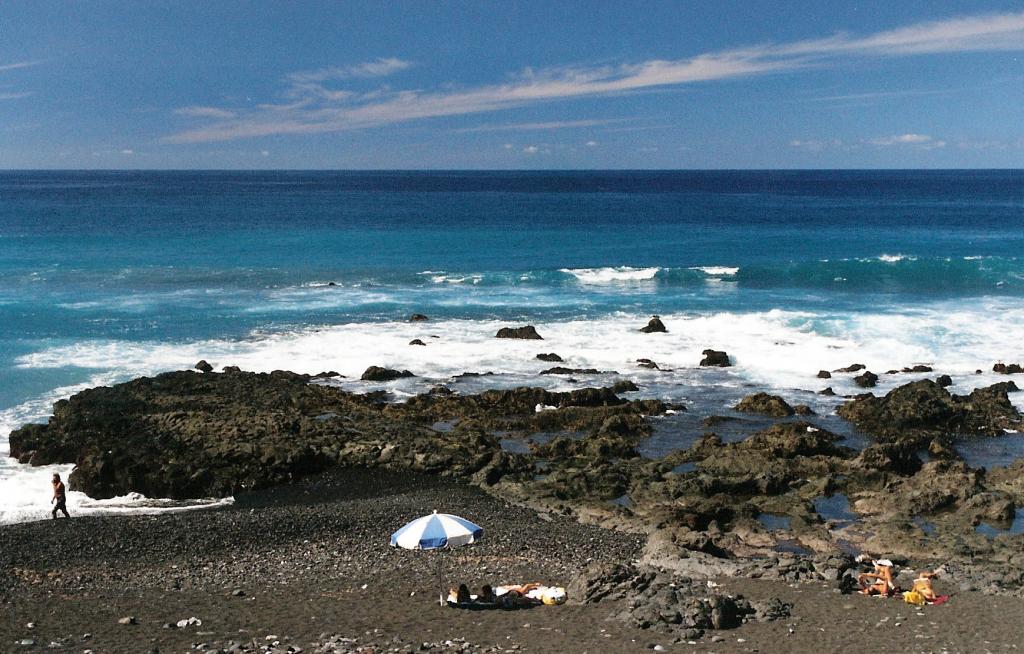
[{"x": 435, "y": 531}]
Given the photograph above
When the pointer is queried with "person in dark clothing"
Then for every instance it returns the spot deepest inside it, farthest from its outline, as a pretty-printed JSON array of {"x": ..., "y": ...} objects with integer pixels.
[{"x": 59, "y": 498}]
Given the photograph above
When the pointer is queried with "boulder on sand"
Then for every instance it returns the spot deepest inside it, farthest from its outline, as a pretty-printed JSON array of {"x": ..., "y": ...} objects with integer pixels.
[
  {"x": 715, "y": 358},
  {"x": 529, "y": 332},
  {"x": 379, "y": 374},
  {"x": 654, "y": 325}
]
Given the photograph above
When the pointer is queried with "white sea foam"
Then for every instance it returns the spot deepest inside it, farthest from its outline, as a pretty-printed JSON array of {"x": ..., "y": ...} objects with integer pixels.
[
  {"x": 717, "y": 271},
  {"x": 447, "y": 278},
  {"x": 893, "y": 258},
  {"x": 611, "y": 275}
]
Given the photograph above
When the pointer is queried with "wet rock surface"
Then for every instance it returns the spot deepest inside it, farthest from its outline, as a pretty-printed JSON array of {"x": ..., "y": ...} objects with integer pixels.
[
  {"x": 528, "y": 332},
  {"x": 715, "y": 358},
  {"x": 654, "y": 326},
  {"x": 765, "y": 404}
]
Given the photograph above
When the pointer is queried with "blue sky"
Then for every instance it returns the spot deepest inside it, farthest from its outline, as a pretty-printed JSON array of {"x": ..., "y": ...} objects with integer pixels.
[{"x": 595, "y": 84}]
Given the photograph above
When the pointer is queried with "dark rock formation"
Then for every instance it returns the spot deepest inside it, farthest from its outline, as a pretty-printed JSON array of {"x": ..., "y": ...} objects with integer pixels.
[
  {"x": 866, "y": 380},
  {"x": 1007, "y": 369},
  {"x": 416, "y": 341},
  {"x": 203, "y": 366},
  {"x": 917, "y": 368},
  {"x": 231, "y": 369},
  {"x": 824, "y": 374},
  {"x": 765, "y": 404},
  {"x": 654, "y": 325},
  {"x": 418, "y": 317},
  {"x": 561, "y": 370},
  {"x": 944, "y": 381},
  {"x": 924, "y": 407},
  {"x": 647, "y": 363},
  {"x": 852, "y": 368},
  {"x": 827, "y": 391},
  {"x": 528, "y": 332},
  {"x": 550, "y": 357},
  {"x": 624, "y": 386},
  {"x": 379, "y": 374},
  {"x": 715, "y": 358}
]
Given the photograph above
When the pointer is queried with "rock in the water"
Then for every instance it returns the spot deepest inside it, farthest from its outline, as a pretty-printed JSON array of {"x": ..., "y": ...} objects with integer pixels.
[
  {"x": 803, "y": 410},
  {"x": 528, "y": 332},
  {"x": 824, "y": 374},
  {"x": 765, "y": 404},
  {"x": 852, "y": 368},
  {"x": 827, "y": 391},
  {"x": 715, "y": 358},
  {"x": 624, "y": 386},
  {"x": 920, "y": 408},
  {"x": 866, "y": 380},
  {"x": 203, "y": 366},
  {"x": 1007, "y": 369},
  {"x": 647, "y": 363},
  {"x": 416, "y": 341},
  {"x": 917, "y": 368},
  {"x": 418, "y": 317},
  {"x": 654, "y": 325},
  {"x": 550, "y": 357},
  {"x": 379, "y": 374},
  {"x": 561, "y": 370},
  {"x": 944, "y": 381}
]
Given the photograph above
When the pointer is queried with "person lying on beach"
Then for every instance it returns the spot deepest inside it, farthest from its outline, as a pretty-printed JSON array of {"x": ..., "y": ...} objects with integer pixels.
[
  {"x": 59, "y": 497},
  {"x": 487, "y": 594},
  {"x": 878, "y": 582}
]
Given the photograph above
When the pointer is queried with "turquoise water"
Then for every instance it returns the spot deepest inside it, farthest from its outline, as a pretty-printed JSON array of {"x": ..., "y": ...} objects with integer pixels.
[{"x": 104, "y": 276}]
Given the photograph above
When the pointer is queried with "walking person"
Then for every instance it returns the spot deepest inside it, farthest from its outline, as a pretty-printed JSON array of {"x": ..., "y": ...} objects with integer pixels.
[{"x": 60, "y": 497}]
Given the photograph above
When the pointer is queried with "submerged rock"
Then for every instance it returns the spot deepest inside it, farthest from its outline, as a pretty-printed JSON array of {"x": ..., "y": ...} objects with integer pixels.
[
  {"x": 529, "y": 332},
  {"x": 715, "y": 358},
  {"x": 379, "y": 374},
  {"x": 765, "y": 404},
  {"x": 654, "y": 325}
]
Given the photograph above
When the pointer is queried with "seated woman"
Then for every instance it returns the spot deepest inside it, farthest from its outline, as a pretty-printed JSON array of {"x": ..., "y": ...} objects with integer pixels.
[
  {"x": 878, "y": 582},
  {"x": 923, "y": 585}
]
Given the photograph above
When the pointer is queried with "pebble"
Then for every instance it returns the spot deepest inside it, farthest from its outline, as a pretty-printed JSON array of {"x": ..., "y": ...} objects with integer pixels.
[{"x": 128, "y": 619}]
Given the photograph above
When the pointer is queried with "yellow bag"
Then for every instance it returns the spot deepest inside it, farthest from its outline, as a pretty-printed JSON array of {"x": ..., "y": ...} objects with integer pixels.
[{"x": 914, "y": 597}]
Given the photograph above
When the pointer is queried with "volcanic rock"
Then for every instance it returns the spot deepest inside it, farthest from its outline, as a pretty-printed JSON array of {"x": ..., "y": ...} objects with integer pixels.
[
  {"x": 550, "y": 357},
  {"x": 647, "y": 363},
  {"x": 231, "y": 369},
  {"x": 528, "y": 332},
  {"x": 944, "y": 381},
  {"x": 379, "y": 374},
  {"x": 1007, "y": 369},
  {"x": 715, "y": 358},
  {"x": 418, "y": 317},
  {"x": 561, "y": 370},
  {"x": 852, "y": 368},
  {"x": 654, "y": 325},
  {"x": 203, "y": 366},
  {"x": 824, "y": 374},
  {"x": 416, "y": 341},
  {"x": 765, "y": 404},
  {"x": 866, "y": 380}
]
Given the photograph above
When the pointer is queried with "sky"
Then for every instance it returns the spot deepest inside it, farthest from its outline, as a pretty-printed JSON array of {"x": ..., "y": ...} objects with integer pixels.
[{"x": 595, "y": 84}]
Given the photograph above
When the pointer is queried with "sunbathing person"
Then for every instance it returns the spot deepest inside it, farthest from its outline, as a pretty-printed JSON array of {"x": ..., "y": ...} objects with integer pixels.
[
  {"x": 459, "y": 595},
  {"x": 923, "y": 585},
  {"x": 487, "y": 594},
  {"x": 878, "y": 582}
]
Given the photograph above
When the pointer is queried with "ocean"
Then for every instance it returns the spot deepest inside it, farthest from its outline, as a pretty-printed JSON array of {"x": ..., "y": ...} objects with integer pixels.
[{"x": 105, "y": 276}]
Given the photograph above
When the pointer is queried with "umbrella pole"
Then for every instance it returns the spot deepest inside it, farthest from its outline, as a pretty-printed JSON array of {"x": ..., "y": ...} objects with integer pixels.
[{"x": 440, "y": 579}]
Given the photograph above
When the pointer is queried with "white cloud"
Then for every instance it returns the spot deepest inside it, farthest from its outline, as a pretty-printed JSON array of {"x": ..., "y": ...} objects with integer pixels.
[
  {"x": 126, "y": 151},
  {"x": 507, "y": 146},
  {"x": 815, "y": 145},
  {"x": 922, "y": 140},
  {"x": 319, "y": 109},
  {"x": 15, "y": 96},
  {"x": 560, "y": 124},
  {"x": 531, "y": 149},
  {"x": 379, "y": 68},
  {"x": 591, "y": 144},
  {"x": 204, "y": 112},
  {"x": 264, "y": 153},
  {"x": 19, "y": 64}
]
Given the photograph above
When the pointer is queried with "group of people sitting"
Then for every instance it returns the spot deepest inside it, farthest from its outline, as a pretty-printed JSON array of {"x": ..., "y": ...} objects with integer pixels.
[
  {"x": 881, "y": 582},
  {"x": 509, "y": 596}
]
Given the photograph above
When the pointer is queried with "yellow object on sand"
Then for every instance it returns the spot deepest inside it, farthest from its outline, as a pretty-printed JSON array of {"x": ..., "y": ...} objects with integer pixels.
[{"x": 914, "y": 597}]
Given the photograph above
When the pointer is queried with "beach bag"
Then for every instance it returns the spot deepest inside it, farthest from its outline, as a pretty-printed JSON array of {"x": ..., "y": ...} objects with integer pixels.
[{"x": 914, "y": 597}]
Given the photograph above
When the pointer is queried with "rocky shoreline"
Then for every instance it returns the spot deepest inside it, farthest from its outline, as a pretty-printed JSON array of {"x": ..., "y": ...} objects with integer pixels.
[{"x": 789, "y": 504}]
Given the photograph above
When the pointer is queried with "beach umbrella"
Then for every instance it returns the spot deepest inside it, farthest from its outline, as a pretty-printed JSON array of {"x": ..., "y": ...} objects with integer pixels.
[{"x": 437, "y": 531}]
